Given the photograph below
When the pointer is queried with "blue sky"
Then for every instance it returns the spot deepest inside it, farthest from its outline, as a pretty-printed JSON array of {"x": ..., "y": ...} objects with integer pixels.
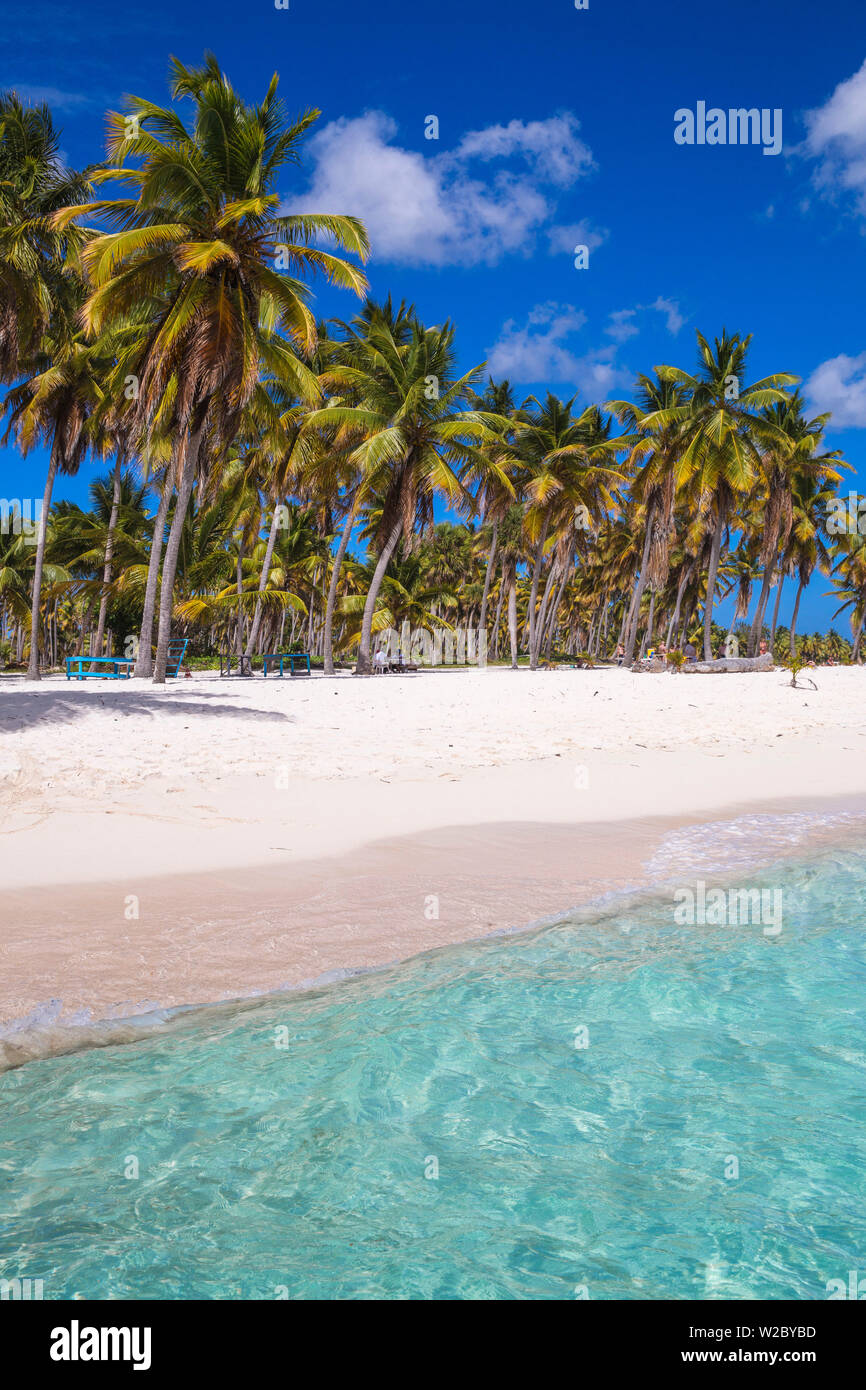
[{"x": 556, "y": 128}]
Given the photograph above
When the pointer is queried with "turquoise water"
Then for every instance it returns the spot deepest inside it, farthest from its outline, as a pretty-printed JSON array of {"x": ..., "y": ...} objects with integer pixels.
[{"x": 562, "y": 1171}]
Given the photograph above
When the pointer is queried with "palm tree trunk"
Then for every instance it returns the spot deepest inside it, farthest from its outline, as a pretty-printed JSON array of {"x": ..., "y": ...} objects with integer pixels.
[
  {"x": 512, "y": 618},
  {"x": 758, "y": 620},
  {"x": 144, "y": 662},
  {"x": 109, "y": 552},
  {"x": 334, "y": 585},
  {"x": 551, "y": 627},
  {"x": 239, "y": 588},
  {"x": 800, "y": 587},
  {"x": 498, "y": 616},
  {"x": 33, "y": 664},
  {"x": 681, "y": 588},
  {"x": 541, "y": 622},
  {"x": 776, "y": 607},
  {"x": 263, "y": 581},
  {"x": 648, "y": 635},
  {"x": 639, "y": 586},
  {"x": 533, "y": 595},
  {"x": 172, "y": 550},
  {"x": 711, "y": 586},
  {"x": 858, "y": 636},
  {"x": 364, "y": 666},
  {"x": 488, "y": 575}
]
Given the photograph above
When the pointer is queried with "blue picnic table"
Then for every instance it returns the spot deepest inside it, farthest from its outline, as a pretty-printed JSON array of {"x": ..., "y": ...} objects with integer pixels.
[
  {"x": 119, "y": 667},
  {"x": 302, "y": 658}
]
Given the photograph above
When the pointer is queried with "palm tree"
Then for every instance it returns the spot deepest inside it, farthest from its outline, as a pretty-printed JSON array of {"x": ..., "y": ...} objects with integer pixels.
[
  {"x": 415, "y": 431},
  {"x": 54, "y": 405},
  {"x": 849, "y": 584},
  {"x": 722, "y": 427},
  {"x": 791, "y": 454},
  {"x": 494, "y": 495},
  {"x": 807, "y": 549},
  {"x": 198, "y": 244},
  {"x": 560, "y": 452},
  {"x": 34, "y": 288},
  {"x": 654, "y": 454}
]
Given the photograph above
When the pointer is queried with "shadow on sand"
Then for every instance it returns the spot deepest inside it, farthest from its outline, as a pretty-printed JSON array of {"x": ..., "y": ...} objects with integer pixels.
[{"x": 23, "y": 704}]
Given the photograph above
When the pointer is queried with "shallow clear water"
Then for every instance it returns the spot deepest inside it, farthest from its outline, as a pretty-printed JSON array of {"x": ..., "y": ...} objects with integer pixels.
[{"x": 308, "y": 1169}]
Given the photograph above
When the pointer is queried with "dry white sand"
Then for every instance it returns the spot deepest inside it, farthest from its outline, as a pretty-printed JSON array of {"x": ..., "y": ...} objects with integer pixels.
[{"x": 115, "y": 785}]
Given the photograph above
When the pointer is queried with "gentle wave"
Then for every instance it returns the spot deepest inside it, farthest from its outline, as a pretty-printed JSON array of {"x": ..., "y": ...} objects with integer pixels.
[{"x": 631, "y": 1109}]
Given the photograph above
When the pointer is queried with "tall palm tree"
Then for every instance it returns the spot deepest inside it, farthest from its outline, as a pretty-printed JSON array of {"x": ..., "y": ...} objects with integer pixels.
[
  {"x": 722, "y": 429},
  {"x": 199, "y": 244}
]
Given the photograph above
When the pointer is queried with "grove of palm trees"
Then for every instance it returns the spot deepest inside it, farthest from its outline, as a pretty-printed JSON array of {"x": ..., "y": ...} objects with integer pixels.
[{"x": 263, "y": 480}]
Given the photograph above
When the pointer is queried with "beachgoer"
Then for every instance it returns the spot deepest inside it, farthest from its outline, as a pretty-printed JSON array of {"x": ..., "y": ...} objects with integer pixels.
[
  {"x": 379, "y": 659},
  {"x": 689, "y": 651},
  {"x": 620, "y": 654}
]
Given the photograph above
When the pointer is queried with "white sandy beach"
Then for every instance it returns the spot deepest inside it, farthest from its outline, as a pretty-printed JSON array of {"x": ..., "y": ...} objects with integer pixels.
[{"x": 272, "y": 831}]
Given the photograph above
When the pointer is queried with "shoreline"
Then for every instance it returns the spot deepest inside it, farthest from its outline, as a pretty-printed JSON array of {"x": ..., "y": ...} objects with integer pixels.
[
  {"x": 297, "y": 935},
  {"x": 212, "y": 840}
]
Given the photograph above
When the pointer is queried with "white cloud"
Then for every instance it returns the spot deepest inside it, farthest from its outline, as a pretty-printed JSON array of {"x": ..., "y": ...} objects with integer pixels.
[
  {"x": 674, "y": 320},
  {"x": 551, "y": 148},
  {"x": 839, "y": 385},
  {"x": 565, "y": 237},
  {"x": 836, "y": 138},
  {"x": 430, "y": 208},
  {"x": 622, "y": 323},
  {"x": 539, "y": 351}
]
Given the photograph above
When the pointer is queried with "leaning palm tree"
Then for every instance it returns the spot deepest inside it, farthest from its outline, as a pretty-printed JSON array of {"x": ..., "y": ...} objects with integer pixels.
[
  {"x": 723, "y": 428},
  {"x": 203, "y": 243}
]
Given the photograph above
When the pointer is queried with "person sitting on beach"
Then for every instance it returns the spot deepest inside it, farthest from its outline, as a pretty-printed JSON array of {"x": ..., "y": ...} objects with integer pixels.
[
  {"x": 689, "y": 651},
  {"x": 762, "y": 649},
  {"x": 380, "y": 660}
]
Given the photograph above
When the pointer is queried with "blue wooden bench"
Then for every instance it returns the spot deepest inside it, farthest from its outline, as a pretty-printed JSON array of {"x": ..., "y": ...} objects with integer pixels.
[
  {"x": 118, "y": 667},
  {"x": 302, "y": 659}
]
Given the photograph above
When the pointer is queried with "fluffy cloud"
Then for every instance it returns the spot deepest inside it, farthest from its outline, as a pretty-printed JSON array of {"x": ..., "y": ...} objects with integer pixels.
[
  {"x": 836, "y": 138},
  {"x": 839, "y": 385},
  {"x": 623, "y": 325},
  {"x": 447, "y": 208},
  {"x": 539, "y": 351}
]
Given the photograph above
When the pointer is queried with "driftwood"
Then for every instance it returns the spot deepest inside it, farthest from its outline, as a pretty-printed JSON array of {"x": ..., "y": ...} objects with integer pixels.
[{"x": 706, "y": 668}]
